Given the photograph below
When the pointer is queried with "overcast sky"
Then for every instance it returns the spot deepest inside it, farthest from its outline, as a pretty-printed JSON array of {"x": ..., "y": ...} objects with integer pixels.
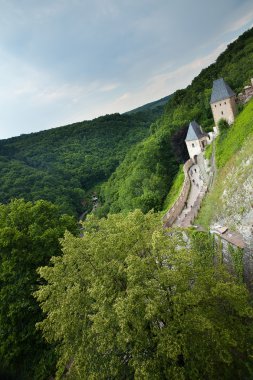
[{"x": 63, "y": 61}]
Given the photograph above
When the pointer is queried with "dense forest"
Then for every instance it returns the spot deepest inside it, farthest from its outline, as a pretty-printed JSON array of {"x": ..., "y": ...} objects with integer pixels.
[
  {"x": 63, "y": 165},
  {"x": 29, "y": 237},
  {"x": 119, "y": 297}
]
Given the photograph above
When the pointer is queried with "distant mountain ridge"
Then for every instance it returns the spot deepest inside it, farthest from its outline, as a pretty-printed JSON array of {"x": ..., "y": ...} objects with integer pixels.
[{"x": 152, "y": 105}]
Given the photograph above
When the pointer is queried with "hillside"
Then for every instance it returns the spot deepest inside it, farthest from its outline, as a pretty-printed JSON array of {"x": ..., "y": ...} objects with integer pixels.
[
  {"x": 230, "y": 201},
  {"x": 143, "y": 179},
  {"x": 64, "y": 164}
]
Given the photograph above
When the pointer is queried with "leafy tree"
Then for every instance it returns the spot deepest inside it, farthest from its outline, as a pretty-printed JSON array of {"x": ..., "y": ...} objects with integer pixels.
[
  {"x": 223, "y": 125},
  {"x": 29, "y": 234},
  {"x": 132, "y": 301}
]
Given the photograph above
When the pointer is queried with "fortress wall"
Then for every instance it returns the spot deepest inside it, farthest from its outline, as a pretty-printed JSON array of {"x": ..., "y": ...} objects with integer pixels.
[
  {"x": 172, "y": 214},
  {"x": 246, "y": 258}
]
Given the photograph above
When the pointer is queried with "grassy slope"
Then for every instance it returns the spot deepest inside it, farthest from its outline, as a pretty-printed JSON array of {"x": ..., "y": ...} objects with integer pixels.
[
  {"x": 231, "y": 195},
  {"x": 175, "y": 189}
]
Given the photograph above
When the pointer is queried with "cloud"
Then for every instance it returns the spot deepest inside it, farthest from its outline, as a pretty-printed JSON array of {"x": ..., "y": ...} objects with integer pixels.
[
  {"x": 160, "y": 85},
  {"x": 241, "y": 22},
  {"x": 182, "y": 76},
  {"x": 109, "y": 87}
]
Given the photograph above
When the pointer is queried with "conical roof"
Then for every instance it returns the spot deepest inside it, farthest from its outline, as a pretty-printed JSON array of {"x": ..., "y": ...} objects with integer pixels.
[
  {"x": 221, "y": 91},
  {"x": 194, "y": 132}
]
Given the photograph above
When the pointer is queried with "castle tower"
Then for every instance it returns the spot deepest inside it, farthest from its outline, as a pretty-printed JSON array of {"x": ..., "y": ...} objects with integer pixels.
[
  {"x": 196, "y": 139},
  {"x": 223, "y": 102}
]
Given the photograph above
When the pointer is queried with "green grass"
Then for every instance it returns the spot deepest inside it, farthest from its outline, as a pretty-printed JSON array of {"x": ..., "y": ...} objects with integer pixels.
[
  {"x": 208, "y": 152},
  {"x": 209, "y": 207},
  {"x": 175, "y": 189},
  {"x": 227, "y": 145},
  {"x": 232, "y": 150}
]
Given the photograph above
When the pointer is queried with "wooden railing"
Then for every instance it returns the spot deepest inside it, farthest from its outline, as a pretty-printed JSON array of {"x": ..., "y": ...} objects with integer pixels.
[{"x": 172, "y": 214}]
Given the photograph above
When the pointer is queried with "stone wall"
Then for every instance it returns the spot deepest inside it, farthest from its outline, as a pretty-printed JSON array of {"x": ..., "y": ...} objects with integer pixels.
[
  {"x": 247, "y": 93},
  {"x": 172, "y": 214},
  {"x": 194, "y": 147},
  {"x": 243, "y": 263},
  {"x": 188, "y": 220}
]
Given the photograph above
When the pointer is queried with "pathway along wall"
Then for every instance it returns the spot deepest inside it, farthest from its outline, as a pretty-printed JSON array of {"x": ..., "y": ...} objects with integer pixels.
[{"x": 172, "y": 214}]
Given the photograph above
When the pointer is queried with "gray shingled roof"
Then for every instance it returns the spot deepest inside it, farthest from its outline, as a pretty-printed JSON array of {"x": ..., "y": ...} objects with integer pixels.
[
  {"x": 194, "y": 132},
  {"x": 221, "y": 91}
]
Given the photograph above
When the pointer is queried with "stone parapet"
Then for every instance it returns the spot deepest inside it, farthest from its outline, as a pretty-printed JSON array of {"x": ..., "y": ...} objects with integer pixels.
[
  {"x": 172, "y": 214},
  {"x": 193, "y": 213}
]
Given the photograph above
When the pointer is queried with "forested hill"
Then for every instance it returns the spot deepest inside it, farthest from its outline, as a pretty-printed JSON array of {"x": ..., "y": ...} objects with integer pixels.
[
  {"x": 62, "y": 165},
  {"x": 144, "y": 177}
]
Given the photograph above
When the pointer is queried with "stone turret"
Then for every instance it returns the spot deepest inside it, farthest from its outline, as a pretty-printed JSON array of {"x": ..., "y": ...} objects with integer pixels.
[
  {"x": 223, "y": 102},
  {"x": 196, "y": 139}
]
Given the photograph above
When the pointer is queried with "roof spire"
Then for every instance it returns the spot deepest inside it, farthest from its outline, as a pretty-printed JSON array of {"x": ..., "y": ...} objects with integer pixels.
[
  {"x": 221, "y": 91},
  {"x": 194, "y": 132}
]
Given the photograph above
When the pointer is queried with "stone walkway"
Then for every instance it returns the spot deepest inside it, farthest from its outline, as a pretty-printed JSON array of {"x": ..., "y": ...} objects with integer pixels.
[{"x": 197, "y": 192}]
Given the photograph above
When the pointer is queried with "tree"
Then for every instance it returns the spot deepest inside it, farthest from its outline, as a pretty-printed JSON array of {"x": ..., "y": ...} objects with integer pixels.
[
  {"x": 29, "y": 234},
  {"x": 132, "y": 301},
  {"x": 223, "y": 126}
]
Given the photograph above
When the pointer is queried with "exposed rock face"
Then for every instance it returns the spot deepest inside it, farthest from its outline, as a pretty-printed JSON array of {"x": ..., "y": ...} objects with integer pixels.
[
  {"x": 236, "y": 206},
  {"x": 247, "y": 230},
  {"x": 237, "y": 198}
]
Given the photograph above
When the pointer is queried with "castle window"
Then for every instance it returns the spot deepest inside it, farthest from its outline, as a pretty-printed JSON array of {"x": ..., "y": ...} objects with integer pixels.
[
  {"x": 225, "y": 103},
  {"x": 220, "y": 104},
  {"x": 215, "y": 105},
  {"x": 192, "y": 145},
  {"x": 222, "y": 112}
]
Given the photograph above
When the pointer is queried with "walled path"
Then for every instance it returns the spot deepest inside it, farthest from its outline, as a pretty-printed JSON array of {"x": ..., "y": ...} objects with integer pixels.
[{"x": 196, "y": 194}]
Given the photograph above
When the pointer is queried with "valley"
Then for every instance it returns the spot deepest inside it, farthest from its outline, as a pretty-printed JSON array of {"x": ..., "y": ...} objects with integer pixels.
[{"x": 152, "y": 283}]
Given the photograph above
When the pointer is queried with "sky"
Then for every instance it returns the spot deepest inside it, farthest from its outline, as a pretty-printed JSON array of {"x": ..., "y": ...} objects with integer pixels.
[{"x": 64, "y": 61}]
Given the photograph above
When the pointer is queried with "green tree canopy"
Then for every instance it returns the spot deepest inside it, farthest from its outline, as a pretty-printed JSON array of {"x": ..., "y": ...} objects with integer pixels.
[
  {"x": 130, "y": 300},
  {"x": 29, "y": 234}
]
